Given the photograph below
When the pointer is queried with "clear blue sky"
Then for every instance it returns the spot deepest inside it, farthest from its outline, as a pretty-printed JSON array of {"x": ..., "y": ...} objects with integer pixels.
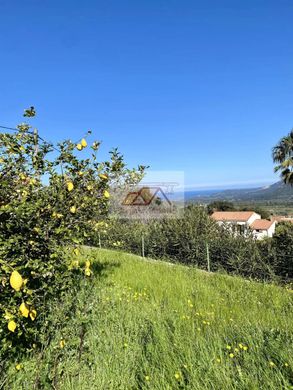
[{"x": 200, "y": 86}]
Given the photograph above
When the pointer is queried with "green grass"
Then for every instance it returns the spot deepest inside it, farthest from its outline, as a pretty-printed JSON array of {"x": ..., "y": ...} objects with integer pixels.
[{"x": 149, "y": 325}]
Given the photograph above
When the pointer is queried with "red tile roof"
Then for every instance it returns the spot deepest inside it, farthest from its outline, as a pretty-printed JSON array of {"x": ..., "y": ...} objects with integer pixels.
[
  {"x": 261, "y": 224},
  {"x": 233, "y": 216}
]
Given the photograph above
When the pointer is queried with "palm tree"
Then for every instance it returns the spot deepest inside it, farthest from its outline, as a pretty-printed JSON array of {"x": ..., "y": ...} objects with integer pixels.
[{"x": 283, "y": 157}]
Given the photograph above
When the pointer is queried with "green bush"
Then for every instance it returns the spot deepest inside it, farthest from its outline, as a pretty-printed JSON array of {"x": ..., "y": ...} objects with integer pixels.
[{"x": 195, "y": 236}]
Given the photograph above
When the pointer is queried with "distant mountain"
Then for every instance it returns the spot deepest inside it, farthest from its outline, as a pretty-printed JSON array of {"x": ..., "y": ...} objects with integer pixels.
[{"x": 274, "y": 192}]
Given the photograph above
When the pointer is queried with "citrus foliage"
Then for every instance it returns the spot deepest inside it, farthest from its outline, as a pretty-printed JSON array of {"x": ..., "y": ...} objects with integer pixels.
[{"x": 50, "y": 199}]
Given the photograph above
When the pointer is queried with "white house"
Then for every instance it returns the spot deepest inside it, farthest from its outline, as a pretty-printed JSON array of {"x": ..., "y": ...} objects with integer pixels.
[
  {"x": 263, "y": 228},
  {"x": 245, "y": 221}
]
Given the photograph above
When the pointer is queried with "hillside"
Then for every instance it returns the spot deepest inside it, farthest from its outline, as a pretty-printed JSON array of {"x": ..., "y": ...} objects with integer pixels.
[
  {"x": 142, "y": 324},
  {"x": 275, "y": 192}
]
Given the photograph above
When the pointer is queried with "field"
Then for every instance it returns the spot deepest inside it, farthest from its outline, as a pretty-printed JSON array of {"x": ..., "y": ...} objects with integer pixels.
[{"x": 141, "y": 324}]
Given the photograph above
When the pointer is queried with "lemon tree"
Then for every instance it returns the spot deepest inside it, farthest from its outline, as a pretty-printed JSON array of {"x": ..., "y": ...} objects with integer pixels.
[{"x": 51, "y": 200}]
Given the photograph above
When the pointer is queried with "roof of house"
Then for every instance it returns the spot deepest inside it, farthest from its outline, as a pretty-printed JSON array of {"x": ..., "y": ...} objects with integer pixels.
[
  {"x": 261, "y": 224},
  {"x": 240, "y": 216}
]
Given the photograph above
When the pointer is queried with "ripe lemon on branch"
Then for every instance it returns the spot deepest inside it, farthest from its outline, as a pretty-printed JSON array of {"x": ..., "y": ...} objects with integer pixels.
[
  {"x": 16, "y": 280},
  {"x": 11, "y": 326},
  {"x": 83, "y": 143},
  {"x": 24, "y": 309}
]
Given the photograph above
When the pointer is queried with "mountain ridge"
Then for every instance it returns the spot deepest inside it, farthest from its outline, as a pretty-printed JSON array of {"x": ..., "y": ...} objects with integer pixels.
[{"x": 275, "y": 192}]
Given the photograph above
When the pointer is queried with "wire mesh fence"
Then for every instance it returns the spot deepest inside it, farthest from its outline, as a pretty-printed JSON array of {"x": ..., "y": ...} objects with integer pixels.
[{"x": 241, "y": 257}]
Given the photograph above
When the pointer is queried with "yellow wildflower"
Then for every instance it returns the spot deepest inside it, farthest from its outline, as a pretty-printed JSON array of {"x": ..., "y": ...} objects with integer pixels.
[
  {"x": 18, "y": 367},
  {"x": 177, "y": 375},
  {"x": 62, "y": 343},
  {"x": 79, "y": 147},
  {"x": 231, "y": 355},
  {"x": 147, "y": 378}
]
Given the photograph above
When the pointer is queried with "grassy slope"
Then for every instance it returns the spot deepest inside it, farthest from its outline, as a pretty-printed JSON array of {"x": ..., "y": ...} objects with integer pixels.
[{"x": 138, "y": 324}]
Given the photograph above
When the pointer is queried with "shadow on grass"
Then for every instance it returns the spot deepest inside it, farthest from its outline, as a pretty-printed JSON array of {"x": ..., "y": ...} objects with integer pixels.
[{"x": 102, "y": 269}]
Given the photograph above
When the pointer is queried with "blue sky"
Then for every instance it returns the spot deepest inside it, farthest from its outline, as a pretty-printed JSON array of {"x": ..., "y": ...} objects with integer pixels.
[{"x": 204, "y": 87}]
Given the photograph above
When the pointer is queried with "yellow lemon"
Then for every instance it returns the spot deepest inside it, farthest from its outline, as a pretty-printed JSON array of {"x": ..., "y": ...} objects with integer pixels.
[
  {"x": 103, "y": 176},
  {"x": 106, "y": 194},
  {"x": 70, "y": 186},
  {"x": 76, "y": 252},
  {"x": 73, "y": 209},
  {"x": 12, "y": 326},
  {"x": 24, "y": 309},
  {"x": 83, "y": 143},
  {"x": 87, "y": 272},
  {"x": 33, "y": 314},
  {"x": 16, "y": 280},
  {"x": 79, "y": 147}
]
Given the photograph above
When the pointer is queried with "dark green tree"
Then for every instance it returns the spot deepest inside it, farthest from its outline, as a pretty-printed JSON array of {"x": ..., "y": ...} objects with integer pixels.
[
  {"x": 220, "y": 205},
  {"x": 283, "y": 157}
]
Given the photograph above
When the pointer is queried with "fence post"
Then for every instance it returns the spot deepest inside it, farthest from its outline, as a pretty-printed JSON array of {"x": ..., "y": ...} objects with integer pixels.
[
  {"x": 208, "y": 257},
  {"x": 142, "y": 245}
]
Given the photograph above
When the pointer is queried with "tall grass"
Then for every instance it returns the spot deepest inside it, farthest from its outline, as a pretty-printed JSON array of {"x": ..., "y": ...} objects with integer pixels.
[{"x": 140, "y": 324}]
